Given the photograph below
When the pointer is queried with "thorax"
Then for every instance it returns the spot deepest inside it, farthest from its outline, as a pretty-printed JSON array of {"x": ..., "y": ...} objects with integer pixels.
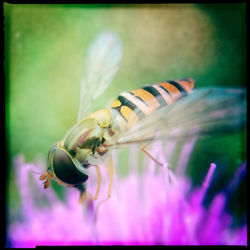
[{"x": 88, "y": 140}]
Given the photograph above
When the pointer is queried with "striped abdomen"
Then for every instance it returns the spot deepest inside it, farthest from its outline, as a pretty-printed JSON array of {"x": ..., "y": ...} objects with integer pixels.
[{"x": 133, "y": 105}]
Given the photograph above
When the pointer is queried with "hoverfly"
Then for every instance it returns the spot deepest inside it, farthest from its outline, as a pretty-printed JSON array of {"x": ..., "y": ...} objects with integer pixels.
[{"x": 163, "y": 110}]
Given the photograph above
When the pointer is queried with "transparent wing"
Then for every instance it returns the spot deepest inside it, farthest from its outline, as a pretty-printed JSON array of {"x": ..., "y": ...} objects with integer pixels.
[
  {"x": 102, "y": 62},
  {"x": 202, "y": 112}
]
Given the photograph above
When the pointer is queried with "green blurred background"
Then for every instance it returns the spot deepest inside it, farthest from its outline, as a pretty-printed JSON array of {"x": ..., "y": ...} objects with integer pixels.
[{"x": 44, "y": 51}]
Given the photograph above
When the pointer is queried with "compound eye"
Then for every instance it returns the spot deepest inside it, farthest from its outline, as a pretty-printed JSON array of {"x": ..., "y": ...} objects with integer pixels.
[{"x": 65, "y": 169}]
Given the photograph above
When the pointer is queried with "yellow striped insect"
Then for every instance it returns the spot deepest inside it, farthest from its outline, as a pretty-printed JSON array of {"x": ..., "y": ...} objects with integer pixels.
[{"x": 163, "y": 110}]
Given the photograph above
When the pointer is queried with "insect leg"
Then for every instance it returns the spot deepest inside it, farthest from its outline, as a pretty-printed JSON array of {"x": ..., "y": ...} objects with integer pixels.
[
  {"x": 84, "y": 195},
  {"x": 152, "y": 157},
  {"x": 99, "y": 181},
  {"x": 110, "y": 177}
]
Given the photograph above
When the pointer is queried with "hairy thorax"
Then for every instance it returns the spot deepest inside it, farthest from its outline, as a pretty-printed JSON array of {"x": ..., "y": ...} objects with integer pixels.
[{"x": 88, "y": 140}]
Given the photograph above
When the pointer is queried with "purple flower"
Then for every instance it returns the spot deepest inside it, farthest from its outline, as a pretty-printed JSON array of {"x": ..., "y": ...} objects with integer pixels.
[{"x": 148, "y": 208}]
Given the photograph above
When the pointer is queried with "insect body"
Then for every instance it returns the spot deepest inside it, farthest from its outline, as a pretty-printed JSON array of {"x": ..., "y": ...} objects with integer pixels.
[
  {"x": 164, "y": 110},
  {"x": 138, "y": 103}
]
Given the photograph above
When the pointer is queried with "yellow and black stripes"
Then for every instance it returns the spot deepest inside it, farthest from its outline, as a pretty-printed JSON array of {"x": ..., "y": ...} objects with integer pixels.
[{"x": 140, "y": 102}]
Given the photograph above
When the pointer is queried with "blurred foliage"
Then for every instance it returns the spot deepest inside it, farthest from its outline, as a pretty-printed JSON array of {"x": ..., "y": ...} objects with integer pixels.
[{"x": 45, "y": 47}]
